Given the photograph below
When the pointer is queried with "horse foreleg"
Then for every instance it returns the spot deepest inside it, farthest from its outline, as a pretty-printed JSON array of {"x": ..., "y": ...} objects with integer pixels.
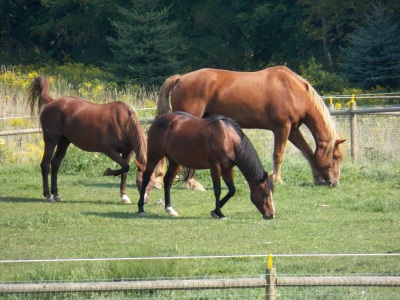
[
  {"x": 228, "y": 179},
  {"x": 62, "y": 147},
  {"x": 159, "y": 173},
  {"x": 298, "y": 140},
  {"x": 172, "y": 171},
  {"x": 280, "y": 140},
  {"x": 216, "y": 175}
]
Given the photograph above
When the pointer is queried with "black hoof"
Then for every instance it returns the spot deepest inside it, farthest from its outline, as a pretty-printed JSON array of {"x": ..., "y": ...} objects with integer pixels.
[{"x": 215, "y": 215}]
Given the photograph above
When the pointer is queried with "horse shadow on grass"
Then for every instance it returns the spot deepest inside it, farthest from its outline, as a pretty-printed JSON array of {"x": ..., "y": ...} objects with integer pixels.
[
  {"x": 20, "y": 200},
  {"x": 133, "y": 215},
  {"x": 65, "y": 201}
]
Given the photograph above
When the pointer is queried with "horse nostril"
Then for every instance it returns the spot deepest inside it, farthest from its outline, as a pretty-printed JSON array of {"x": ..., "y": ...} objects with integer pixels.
[{"x": 268, "y": 217}]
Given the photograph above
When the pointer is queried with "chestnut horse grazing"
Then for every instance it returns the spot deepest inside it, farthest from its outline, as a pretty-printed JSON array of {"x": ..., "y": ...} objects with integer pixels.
[
  {"x": 274, "y": 98},
  {"x": 112, "y": 129},
  {"x": 216, "y": 143}
]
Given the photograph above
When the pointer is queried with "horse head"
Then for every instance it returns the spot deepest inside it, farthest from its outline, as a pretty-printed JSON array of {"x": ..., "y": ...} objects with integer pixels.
[
  {"x": 329, "y": 169},
  {"x": 261, "y": 196}
]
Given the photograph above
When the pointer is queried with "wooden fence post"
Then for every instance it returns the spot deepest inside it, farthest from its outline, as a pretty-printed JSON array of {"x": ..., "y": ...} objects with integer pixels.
[
  {"x": 271, "y": 284},
  {"x": 270, "y": 276},
  {"x": 353, "y": 130}
]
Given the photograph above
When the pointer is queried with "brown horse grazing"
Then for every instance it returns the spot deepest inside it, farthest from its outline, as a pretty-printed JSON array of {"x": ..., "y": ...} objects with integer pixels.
[
  {"x": 216, "y": 143},
  {"x": 112, "y": 129},
  {"x": 274, "y": 98}
]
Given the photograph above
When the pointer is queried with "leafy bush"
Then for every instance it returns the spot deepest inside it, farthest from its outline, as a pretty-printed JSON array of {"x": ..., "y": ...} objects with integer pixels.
[{"x": 323, "y": 81}]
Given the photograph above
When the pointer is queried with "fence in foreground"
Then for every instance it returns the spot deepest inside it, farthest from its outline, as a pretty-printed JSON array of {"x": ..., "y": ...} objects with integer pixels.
[{"x": 269, "y": 286}]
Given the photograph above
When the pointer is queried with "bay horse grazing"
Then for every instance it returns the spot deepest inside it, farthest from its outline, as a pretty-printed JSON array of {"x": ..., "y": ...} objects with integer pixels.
[
  {"x": 112, "y": 129},
  {"x": 216, "y": 143},
  {"x": 275, "y": 98}
]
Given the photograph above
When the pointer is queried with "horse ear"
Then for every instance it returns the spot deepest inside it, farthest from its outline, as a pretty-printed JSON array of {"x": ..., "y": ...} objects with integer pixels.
[
  {"x": 337, "y": 142},
  {"x": 141, "y": 167}
]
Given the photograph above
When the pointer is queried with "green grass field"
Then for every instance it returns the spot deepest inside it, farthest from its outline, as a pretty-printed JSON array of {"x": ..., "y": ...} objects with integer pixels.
[{"x": 361, "y": 215}]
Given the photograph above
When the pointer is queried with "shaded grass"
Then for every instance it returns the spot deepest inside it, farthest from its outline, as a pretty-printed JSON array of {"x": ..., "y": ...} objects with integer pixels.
[{"x": 361, "y": 215}]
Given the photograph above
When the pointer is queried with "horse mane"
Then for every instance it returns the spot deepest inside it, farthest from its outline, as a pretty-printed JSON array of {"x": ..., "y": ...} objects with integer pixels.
[
  {"x": 320, "y": 106},
  {"x": 247, "y": 159}
]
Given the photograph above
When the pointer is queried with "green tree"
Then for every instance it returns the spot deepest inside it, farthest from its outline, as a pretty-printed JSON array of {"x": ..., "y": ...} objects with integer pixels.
[
  {"x": 17, "y": 18},
  {"x": 74, "y": 31},
  {"x": 146, "y": 44},
  {"x": 372, "y": 57},
  {"x": 323, "y": 81},
  {"x": 327, "y": 22}
]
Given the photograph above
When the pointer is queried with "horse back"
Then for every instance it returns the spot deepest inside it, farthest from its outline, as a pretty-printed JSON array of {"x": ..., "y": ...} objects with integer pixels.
[
  {"x": 261, "y": 99},
  {"x": 89, "y": 126},
  {"x": 190, "y": 141}
]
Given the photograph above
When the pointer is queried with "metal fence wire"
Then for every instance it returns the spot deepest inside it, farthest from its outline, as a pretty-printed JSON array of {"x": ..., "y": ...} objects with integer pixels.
[{"x": 376, "y": 134}]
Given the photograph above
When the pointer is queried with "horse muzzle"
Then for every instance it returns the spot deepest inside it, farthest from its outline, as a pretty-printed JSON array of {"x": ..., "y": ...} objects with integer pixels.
[{"x": 268, "y": 216}]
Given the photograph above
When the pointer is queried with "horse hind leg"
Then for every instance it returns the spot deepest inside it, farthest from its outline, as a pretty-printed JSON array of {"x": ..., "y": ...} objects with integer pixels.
[
  {"x": 62, "y": 147},
  {"x": 123, "y": 161},
  {"x": 124, "y": 197},
  {"x": 45, "y": 168}
]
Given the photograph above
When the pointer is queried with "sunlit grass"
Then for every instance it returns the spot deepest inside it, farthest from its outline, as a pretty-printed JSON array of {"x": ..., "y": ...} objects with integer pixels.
[{"x": 361, "y": 215}]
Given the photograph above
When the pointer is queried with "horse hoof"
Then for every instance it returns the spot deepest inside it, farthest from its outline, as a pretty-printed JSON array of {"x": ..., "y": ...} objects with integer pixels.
[
  {"x": 193, "y": 185},
  {"x": 107, "y": 172},
  {"x": 125, "y": 199},
  {"x": 50, "y": 199},
  {"x": 141, "y": 213},
  {"x": 215, "y": 216},
  {"x": 57, "y": 199},
  {"x": 171, "y": 212}
]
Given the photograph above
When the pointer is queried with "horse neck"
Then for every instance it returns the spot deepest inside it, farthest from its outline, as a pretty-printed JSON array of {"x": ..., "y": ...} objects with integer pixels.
[{"x": 248, "y": 162}]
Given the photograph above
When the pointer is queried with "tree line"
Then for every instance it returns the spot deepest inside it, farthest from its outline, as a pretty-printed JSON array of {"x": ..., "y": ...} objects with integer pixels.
[{"x": 339, "y": 42}]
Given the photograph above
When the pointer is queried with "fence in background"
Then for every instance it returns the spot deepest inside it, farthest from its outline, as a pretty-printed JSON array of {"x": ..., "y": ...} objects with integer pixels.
[
  {"x": 270, "y": 284},
  {"x": 372, "y": 133}
]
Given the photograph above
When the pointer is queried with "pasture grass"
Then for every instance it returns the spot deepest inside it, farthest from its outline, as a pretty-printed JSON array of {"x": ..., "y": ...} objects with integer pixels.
[{"x": 361, "y": 215}]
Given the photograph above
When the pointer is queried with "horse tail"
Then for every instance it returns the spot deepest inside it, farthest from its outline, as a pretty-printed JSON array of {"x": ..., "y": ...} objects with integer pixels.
[
  {"x": 137, "y": 136},
  {"x": 39, "y": 94},
  {"x": 163, "y": 105},
  {"x": 187, "y": 174}
]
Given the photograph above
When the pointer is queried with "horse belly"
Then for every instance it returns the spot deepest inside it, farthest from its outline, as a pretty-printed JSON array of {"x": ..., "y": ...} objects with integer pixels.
[{"x": 189, "y": 157}]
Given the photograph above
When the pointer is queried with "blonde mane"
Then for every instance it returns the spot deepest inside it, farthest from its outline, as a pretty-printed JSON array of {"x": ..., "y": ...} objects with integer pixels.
[{"x": 320, "y": 106}]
